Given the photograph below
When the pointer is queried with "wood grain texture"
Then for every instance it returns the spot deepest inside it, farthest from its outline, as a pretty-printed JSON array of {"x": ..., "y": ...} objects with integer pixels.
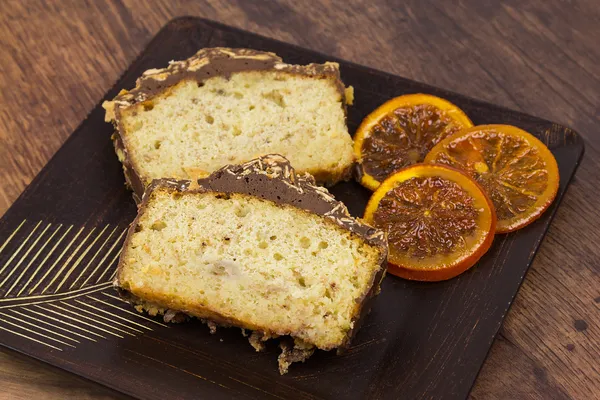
[{"x": 541, "y": 58}]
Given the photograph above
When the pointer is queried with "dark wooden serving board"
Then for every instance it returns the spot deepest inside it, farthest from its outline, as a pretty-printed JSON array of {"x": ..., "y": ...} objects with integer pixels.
[{"x": 60, "y": 240}]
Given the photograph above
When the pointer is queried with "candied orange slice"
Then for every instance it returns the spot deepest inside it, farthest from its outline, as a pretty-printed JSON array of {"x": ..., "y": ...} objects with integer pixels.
[
  {"x": 518, "y": 172},
  {"x": 439, "y": 221},
  {"x": 401, "y": 132}
]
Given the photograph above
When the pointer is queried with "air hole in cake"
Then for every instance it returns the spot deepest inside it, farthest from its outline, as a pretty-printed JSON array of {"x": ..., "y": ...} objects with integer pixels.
[
  {"x": 209, "y": 119},
  {"x": 328, "y": 293},
  {"x": 323, "y": 245},
  {"x": 237, "y": 131},
  {"x": 252, "y": 107},
  {"x": 305, "y": 242},
  {"x": 176, "y": 196},
  {"x": 148, "y": 106},
  {"x": 277, "y": 256},
  {"x": 157, "y": 144},
  {"x": 201, "y": 206},
  {"x": 238, "y": 95},
  {"x": 263, "y": 245},
  {"x": 302, "y": 281},
  {"x": 158, "y": 225},
  {"x": 200, "y": 84},
  {"x": 223, "y": 196},
  {"x": 138, "y": 228},
  {"x": 273, "y": 237}
]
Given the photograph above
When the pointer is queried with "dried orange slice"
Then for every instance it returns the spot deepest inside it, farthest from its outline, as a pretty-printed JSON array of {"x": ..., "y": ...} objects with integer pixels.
[
  {"x": 401, "y": 132},
  {"x": 517, "y": 171},
  {"x": 439, "y": 221}
]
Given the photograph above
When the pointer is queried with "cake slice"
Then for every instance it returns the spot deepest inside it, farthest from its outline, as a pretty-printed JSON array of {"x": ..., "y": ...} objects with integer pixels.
[
  {"x": 227, "y": 106},
  {"x": 258, "y": 247}
]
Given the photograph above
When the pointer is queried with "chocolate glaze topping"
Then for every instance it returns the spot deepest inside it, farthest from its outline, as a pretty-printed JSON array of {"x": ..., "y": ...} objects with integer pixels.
[
  {"x": 132, "y": 179},
  {"x": 271, "y": 177},
  {"x": 208, "y": 63}
]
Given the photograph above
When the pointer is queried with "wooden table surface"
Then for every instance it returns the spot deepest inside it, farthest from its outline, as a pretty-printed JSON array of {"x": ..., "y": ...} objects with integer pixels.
[{"x": 58, "y": 59}]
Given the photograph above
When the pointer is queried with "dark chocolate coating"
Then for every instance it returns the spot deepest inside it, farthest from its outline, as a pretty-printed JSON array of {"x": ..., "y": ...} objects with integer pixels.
[
  {"x": 271, "y": 177},
  {"x": 218, "y": 61},
  {"x": 132, "y": 179}
]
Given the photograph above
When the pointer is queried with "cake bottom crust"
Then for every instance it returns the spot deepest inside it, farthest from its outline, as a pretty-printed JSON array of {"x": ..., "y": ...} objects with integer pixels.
[{"x": 292, "y": 349}]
